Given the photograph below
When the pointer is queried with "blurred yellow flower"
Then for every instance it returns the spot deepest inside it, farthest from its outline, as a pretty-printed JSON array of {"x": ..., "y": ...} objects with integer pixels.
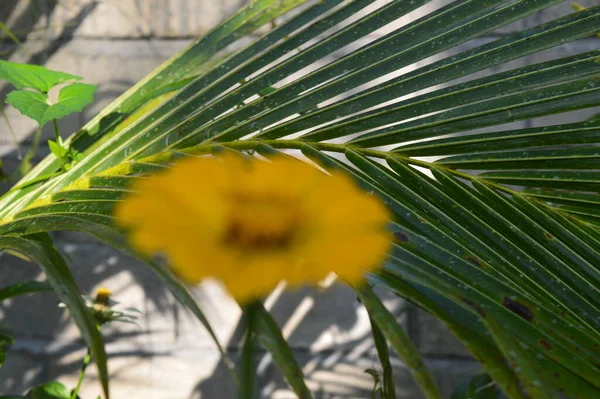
[
  {"x": 102, "y": 296},
  {"x": 253, "y": 223}
]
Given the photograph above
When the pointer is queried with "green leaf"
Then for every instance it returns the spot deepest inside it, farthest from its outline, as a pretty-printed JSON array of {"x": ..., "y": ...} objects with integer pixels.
[
  {"x": 41, "y": 250},
  {"x": 50, "y": 390},
  {"x": 526, "y": 368},
  {"x": 23, "y": 288},
  {"x": 479, "y": 386},
  {"x": 57, "y": 148},
  {"x": 270, "y": 337},
  {"x": 33, "y": 76},
  {"x": 72, "y": 98},
  {"x": 249, "y": 377},
  {"x": 376, "y": 392},
  {"x": 387, "y": 387},
  {"x": 400, "y": 341},
  {"x": 9, "y": 33},
  {"x": 595, "y": 119}
]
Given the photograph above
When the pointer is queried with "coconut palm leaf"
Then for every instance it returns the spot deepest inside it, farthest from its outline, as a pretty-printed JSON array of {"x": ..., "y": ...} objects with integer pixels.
[{"x": 498, "y": 235}]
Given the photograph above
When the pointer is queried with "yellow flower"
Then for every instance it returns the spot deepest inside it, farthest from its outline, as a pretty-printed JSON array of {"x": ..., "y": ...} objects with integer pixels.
[
  {"x": 102, "y": 296},
  {"x": 253, "y": 223}
]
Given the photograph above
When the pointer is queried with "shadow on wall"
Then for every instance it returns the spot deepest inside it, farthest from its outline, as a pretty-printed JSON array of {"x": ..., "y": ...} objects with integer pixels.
[
  {"x": 28, "y": 19},
  {"x": 330, "y": 342}
]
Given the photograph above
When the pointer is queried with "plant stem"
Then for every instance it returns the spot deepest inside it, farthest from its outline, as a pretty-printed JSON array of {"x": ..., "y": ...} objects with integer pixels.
[
  {"x": 86, "y": 362},
  {"x": 56, "y": 131},
  {"x": 248, "y": 372},
  {"x": 399, "y": 340},
  {"x": 341, "y": 148},
  {"x": 58, "y": 141}
]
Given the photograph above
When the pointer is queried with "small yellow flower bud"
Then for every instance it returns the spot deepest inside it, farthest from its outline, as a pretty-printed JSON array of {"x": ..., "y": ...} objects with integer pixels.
[{"x": 102, "y": 296}]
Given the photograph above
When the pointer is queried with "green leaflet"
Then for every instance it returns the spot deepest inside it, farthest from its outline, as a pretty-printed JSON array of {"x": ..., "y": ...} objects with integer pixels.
[
  {"x": 270, "y": 337},
  {"x": 25, "y": 287},
  {"x": 400, "y": 342},
  {"x": 33, "y": 76},
  {"x": 50, "y": 390},
  {"x": 72, "y": 98}
]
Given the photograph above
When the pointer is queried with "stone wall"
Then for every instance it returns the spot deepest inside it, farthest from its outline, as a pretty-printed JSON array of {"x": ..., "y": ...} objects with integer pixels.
[{"x": 113, "y": 43}]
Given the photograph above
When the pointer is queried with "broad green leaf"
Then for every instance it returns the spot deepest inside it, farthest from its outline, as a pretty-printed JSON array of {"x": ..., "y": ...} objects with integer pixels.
[
  {"x": 50, "y": 390},
  {"x": 33, "y": 76},
  {"x": 23, "y": 288},
  {"x": 71, "y": 98}
]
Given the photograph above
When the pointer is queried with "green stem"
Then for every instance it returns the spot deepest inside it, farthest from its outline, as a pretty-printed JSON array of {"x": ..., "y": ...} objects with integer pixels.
[
  {"x": 399, "y": 340},
  {"x": 248, "y": 371},
  {"x": 58, "y": 141},
  {"x": 86, "y": 362},
  {"x": 56, "y": 131},
  {"x": 339, "y": 148}
]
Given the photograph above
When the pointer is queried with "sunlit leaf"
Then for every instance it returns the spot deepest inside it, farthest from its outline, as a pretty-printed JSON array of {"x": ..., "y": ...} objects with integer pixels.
[
  {"x": 33, "y": 76},
  {"x": 50, "y": 390},
  {"x": 36, "y": 105}
]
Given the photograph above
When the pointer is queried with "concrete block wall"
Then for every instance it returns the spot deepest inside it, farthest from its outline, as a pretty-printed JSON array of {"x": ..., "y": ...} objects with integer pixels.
[{"x": 113, "y": 44}]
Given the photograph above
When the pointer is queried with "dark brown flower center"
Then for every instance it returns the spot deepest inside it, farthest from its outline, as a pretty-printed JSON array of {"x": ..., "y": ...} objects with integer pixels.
[{"x": 262, "y": 222}]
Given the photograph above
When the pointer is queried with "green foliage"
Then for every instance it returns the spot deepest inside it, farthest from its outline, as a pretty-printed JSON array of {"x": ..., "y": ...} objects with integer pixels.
[
  {"x": 25, "y": 287},
  {"x": 25, "y": 76},
  {"x": 32, "y": 99},
  {"x": 377, "y": 392},
  {"x": 387, "y": 389},
  {"x": 384, "y": 325},
  {"x": 36, "y": 105},
  {"x": 40, "y": 249},
  {"x": 480, "y": 386},
  {"x": 500, "y": 239},
  {"x": 270, "y": 337},
  {"x": 50, "y": 390},
  {"x": 67, "y": 155}
]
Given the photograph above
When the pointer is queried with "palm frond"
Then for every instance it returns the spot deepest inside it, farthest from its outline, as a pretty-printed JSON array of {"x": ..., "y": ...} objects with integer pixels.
[{"x": 513, "y": 271}]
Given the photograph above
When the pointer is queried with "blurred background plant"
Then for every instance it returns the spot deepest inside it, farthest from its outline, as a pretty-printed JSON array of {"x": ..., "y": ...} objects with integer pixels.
[{"x": 440, "y": 108}]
